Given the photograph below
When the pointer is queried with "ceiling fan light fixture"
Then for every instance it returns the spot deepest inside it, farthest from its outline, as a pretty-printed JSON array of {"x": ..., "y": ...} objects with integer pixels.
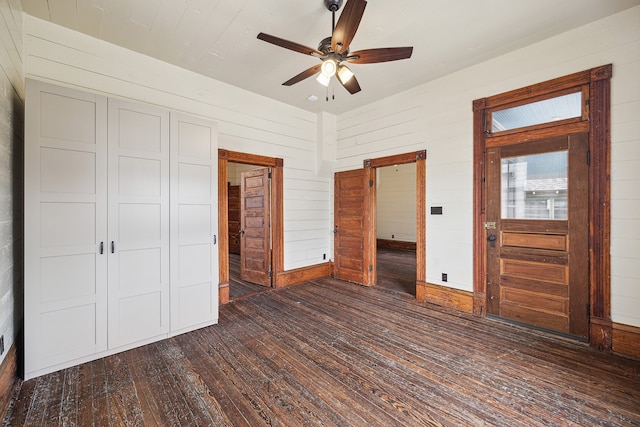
[
  {"x": 323, "y": 80},
  {"x": 329, "y": 68},
  {"x": 344, "y": 74}
]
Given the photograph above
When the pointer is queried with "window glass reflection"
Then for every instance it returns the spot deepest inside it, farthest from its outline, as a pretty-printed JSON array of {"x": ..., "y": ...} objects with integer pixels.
[{"x": 535, "y": 187}]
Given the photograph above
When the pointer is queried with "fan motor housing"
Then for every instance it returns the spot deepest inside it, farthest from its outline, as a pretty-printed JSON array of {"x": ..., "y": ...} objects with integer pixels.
[{"x": 333, "y": 5}]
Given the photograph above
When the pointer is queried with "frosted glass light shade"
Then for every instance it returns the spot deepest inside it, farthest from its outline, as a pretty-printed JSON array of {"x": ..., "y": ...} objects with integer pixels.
[
  {"x": 323, "y": 80},
  {"x": 344, "y": 74}
]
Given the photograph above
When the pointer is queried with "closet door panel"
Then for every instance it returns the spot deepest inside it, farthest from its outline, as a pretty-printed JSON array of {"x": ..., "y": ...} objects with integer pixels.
[
  {"x": 76, "y": 177},
  {"x": 138, "y": 223},
  {"x": 194, "y": 201},
  {"x": 65, "y": 224}
]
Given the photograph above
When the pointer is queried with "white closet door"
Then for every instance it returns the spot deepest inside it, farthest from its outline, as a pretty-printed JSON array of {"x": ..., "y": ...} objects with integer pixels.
[
  {"x": 65, "y": 226},
  {"x": 194, "y": 223},
  {"x": 138, "y": 223}
]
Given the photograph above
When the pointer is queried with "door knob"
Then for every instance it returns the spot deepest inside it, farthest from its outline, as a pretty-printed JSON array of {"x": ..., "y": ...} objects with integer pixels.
[{"x": 492, "y": 240}]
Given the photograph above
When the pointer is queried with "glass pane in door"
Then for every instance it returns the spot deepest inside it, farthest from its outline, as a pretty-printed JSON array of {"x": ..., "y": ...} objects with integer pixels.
[{"x": 535, "y": 186}]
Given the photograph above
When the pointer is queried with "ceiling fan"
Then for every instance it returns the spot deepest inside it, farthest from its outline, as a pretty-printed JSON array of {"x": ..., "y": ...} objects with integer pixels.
[{"x": 334, "y": 50}]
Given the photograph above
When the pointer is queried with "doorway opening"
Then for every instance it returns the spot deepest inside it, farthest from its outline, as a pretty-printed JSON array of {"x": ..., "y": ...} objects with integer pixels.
[
  {"x": 395, "y": 224},
  {"x": 250, "y": 223},
  {"x": 355, "y": 242},
  {"x": 249, "y": 213},
  {"x": 541, "y": 206}
]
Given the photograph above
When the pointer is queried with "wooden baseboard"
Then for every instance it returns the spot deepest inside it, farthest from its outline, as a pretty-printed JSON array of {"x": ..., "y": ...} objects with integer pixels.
[
  {"x": 223, "y": 293},
  {"x": 626, "y": 340},
  {"x": 445, "y": 297},
  {"x": 300, "y": 275},
  {"x": 8, "y": 379},
  {"x": 396, "y": 244}
]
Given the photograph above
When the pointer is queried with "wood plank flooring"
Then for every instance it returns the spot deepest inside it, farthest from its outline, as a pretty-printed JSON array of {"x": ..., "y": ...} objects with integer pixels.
[
  {"x": 237, "y": 287},
  {"x": 396, "y": 270},
  {"x": 330, "y": 353}
]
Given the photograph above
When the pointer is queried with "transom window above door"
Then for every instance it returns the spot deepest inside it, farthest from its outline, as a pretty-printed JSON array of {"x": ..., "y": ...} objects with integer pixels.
[{"x": 558, "y": 108}]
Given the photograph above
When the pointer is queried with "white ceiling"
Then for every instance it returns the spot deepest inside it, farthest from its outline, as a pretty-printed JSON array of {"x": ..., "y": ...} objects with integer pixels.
[{"x": 217, "y": 38}]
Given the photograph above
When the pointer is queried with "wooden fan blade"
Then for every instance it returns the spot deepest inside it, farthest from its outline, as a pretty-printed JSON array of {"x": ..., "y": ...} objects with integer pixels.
[
  {"x": 371, "y": 56},
  {"x": 351, "y": 85},
  {"x": 303, "y": 75},
  {"x": 347, "y": 25},
  {"x": 296, "y": 47}
]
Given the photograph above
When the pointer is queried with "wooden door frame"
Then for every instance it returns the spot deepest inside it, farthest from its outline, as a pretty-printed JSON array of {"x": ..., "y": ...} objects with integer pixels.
[
  {"x": 277, "y": 215},
  {"x": 419, "y": 158},
  {"x": 596, "y": 120}
]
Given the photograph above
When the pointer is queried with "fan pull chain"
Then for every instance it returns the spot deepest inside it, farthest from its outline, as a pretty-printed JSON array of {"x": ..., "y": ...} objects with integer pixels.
[{"x": 333, "y": 93}]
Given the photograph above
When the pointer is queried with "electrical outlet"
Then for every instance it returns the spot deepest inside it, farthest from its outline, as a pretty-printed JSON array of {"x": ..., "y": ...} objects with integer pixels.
[
  {"x": 324, "y": 256},
  {"x": 393, "y": 236},
  {"x": 1, "y": 345},
  {"x": 444, "y": 277}
]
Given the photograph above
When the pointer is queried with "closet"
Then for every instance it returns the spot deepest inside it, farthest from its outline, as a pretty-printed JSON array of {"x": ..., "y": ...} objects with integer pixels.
[{"x": 120, "y": 224}]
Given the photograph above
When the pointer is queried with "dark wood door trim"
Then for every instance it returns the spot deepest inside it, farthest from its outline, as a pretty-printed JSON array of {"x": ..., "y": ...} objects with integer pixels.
[
  {"x": 277, "y": 219},
  {"x": 597, "y": 119},
  {"x": 419, "y": 158}
]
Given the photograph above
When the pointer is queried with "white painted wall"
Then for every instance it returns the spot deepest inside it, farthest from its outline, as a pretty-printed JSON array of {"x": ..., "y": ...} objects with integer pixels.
[
  {"x": 396, "y": 202},
  {"x": 437, "y": 116},
  {"x": 11, "y": 155},
  {"x": 247, "y": 122}
]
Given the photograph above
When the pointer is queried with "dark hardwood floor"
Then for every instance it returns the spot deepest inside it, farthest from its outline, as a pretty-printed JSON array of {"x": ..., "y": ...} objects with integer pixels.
[
  {"x": 336, "y": 354},
  {"x": 239, "y": 288},
  {"x": 396, "y": 270}
]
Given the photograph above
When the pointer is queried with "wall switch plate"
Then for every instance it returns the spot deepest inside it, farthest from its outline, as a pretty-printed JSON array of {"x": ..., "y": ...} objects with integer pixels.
[{"x": 444, "y": 277}]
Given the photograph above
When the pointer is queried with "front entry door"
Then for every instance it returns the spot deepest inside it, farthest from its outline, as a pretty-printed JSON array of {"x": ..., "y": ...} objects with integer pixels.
[
  {"x": 353, "y": 205},
  {"x": 537, "y": 233},
  {"x": 255, "y": 227}
]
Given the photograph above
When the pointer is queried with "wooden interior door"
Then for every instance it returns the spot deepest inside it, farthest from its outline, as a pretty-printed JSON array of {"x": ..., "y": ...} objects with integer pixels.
[
  {"x": 353, "y": 205},
  {"x": 537, "y": 233},
  {"x": 255, "y": 223}
]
